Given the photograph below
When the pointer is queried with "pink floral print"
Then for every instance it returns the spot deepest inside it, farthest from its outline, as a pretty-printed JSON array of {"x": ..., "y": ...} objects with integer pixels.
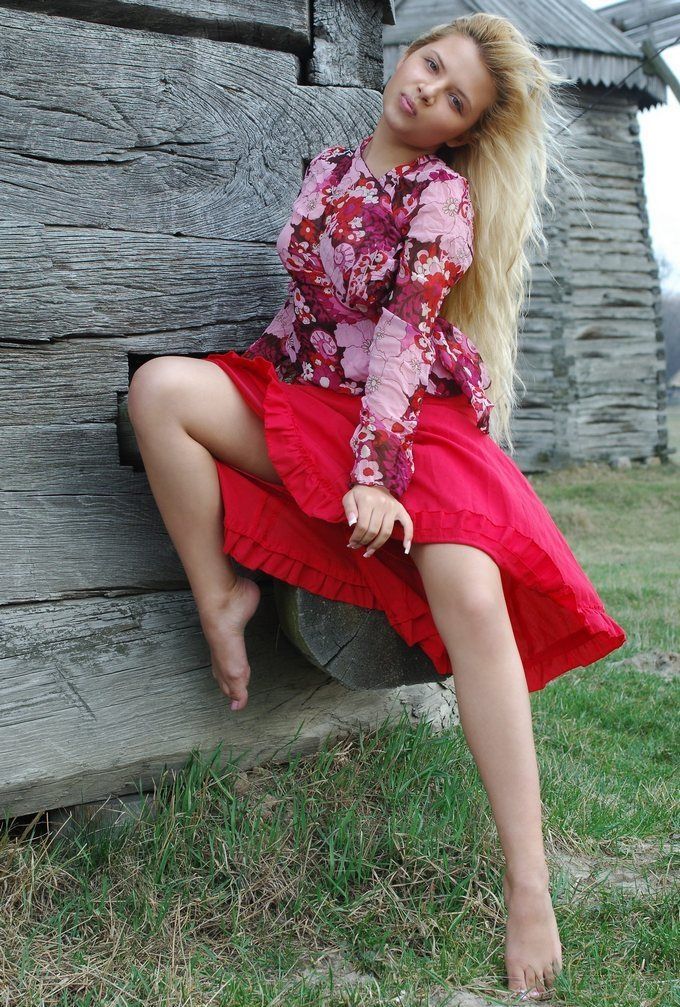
[{"x": 371, "y": 262}]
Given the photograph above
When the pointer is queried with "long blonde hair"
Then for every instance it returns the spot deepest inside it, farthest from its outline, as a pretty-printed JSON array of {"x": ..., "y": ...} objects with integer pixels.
[{"x": 509, "y": 161}]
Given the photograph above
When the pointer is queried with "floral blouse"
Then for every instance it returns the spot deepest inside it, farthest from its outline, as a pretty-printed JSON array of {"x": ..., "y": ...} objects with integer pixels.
[{"x": 371, "y": 261}]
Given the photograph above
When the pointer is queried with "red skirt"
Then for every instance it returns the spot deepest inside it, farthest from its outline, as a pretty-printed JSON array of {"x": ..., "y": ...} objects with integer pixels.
[{"x": 465, "y": 489}]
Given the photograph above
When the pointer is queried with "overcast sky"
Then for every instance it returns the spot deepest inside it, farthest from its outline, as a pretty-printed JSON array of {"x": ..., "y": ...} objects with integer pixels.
[{"x": 660, "y": 139}]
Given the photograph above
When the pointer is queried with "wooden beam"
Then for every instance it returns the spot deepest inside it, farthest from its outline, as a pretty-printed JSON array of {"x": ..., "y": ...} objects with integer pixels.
[
  {"x": 660, "y": 67},
  {"x": 658, "y": 20}
]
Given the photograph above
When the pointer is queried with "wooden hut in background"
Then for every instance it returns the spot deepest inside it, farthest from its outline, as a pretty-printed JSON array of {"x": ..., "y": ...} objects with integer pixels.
[{"x": 591, "y": 352}]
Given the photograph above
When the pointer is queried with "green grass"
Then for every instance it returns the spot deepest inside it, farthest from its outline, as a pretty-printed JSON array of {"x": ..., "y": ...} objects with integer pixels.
[{"x": 381, "y": 849}]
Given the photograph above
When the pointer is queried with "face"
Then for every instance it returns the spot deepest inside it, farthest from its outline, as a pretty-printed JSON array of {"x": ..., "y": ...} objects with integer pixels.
[{"x": 449, "y": 86}]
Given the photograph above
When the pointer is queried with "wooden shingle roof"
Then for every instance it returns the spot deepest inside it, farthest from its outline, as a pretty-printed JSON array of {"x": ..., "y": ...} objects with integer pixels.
[
  {"x": 591, "y": 49},
  {"x": 656, "y": 20}
]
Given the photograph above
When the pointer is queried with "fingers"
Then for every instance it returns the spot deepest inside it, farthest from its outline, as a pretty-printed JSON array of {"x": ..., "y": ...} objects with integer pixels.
[
  {"x": 351, "y": 505},
  {"x": 372, "y": 512},
  {"x": 381, "y": 536},
  {"x": 373, "y": 531},
  {"x": 405, "y": 518}
]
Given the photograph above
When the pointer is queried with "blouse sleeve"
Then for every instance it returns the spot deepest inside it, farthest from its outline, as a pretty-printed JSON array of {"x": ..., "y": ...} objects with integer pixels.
[
  {"x": 271, "y": 344},
  {"x": 437, "y": 251}
]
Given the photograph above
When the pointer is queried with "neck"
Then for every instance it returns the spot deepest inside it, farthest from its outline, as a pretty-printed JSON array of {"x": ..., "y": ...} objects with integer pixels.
[{"x": 385, "y": 147}]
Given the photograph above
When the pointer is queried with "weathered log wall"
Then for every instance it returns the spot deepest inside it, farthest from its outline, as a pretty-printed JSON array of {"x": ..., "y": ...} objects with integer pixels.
[
  {"x": 591, "y": 352},
  {"x": 611, "y": 333},
  {"x": 150, "y": 153}
]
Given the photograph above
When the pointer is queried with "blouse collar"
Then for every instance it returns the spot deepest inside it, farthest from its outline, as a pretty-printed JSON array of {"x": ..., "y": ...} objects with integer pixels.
[{"x": 400, "y": 169}]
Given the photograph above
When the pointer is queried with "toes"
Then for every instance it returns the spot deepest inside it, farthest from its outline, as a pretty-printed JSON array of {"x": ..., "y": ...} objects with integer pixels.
[
  {"x": 540, "y": 991},
  {"x": 539, "y": 982},
  {"x": 239, "y": 698},
  {"x": 534, "y": 983},
  {"x": 516, "y": 979},
  {"x": 532, "y": 986},
  {"x": 531, "y": 977}
]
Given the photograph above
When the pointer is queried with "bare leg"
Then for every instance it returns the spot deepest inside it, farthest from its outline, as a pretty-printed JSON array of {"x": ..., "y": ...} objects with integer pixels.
[
  {"x": 465, "y": 595},
  {"x": 186, "y": 412}
]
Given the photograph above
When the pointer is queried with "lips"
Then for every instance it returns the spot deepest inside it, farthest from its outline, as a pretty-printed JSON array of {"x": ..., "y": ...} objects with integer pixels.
[{"x": 408, "y": 104}]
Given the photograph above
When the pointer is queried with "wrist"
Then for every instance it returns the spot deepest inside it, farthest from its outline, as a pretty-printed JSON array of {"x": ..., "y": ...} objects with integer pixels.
[{"x": 371, "y": 486}]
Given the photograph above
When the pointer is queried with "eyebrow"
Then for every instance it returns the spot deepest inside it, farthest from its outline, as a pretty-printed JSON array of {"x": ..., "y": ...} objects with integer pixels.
[{"x": 445, "y": 71}]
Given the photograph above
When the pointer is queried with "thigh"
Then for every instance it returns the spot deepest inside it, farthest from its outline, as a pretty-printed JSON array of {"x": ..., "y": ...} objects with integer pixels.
[
  {"x": 460, "y": 580},
  {"x": 207, "y": 404},
  {"x": 466, "y": 598}
]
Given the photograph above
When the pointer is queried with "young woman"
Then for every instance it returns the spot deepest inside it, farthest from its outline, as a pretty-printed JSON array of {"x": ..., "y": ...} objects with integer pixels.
[{"x": 364, "y": 404}]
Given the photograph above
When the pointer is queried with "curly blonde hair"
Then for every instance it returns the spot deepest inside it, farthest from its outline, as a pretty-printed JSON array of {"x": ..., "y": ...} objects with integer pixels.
[{"x": 509, "y": 161}]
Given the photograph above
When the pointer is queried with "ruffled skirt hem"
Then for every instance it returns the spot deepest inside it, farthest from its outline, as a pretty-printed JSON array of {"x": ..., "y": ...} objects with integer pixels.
[{"x": 468, "y": 492}]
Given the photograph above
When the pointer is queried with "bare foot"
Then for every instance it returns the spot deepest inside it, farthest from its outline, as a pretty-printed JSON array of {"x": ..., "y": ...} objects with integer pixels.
[
  {"x": 533, "y": 953},
  {"x": 223, "y": 628}
]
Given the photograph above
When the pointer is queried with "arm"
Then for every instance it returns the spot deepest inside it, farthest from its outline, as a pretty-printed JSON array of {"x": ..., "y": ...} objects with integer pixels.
[{"x": 436, "y": 253}]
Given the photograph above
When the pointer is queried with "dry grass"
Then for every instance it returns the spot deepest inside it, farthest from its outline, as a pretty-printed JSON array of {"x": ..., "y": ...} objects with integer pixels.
[{"x": 370, "y": 872}]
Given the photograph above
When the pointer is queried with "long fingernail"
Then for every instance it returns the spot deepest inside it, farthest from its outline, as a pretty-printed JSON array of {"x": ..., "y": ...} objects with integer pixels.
[
  {"x": 407, "y": 547},
  {"x": 369, "y": 552}
]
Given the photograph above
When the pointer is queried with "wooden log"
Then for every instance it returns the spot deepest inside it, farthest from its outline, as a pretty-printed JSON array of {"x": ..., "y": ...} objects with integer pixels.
[
  {"x": 99, "y": 817},
  {"x": 347, "y": 44},
  {"x": 623, "y": 224},
  {"x": 601, "y": 295},
  {"x": 283, "y": 25},
  {"x": 590, "y": 262},
  {"x": 357, "y": 646},
  {"x": 609, "y": 240},
  {"x": 635, "y": 282},
  {"x": 612, "y": 313},
  {"x": 71, "y": 282},
  {"x": 77, "y": 482},
  {"x": 101, "y": 694}
]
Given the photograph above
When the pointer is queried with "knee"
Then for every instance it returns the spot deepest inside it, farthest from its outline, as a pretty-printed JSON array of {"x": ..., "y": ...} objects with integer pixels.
[
  {"x": 152, "y": 384},
  {"x": 477, "y": 604}
]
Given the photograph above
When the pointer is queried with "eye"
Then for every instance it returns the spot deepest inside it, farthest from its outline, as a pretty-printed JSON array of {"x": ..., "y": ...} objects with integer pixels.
[{"x": 457, "y": 102}]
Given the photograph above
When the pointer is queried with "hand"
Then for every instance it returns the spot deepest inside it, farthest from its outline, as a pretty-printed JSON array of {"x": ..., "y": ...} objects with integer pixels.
[{"x": 375, "y": 510}]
